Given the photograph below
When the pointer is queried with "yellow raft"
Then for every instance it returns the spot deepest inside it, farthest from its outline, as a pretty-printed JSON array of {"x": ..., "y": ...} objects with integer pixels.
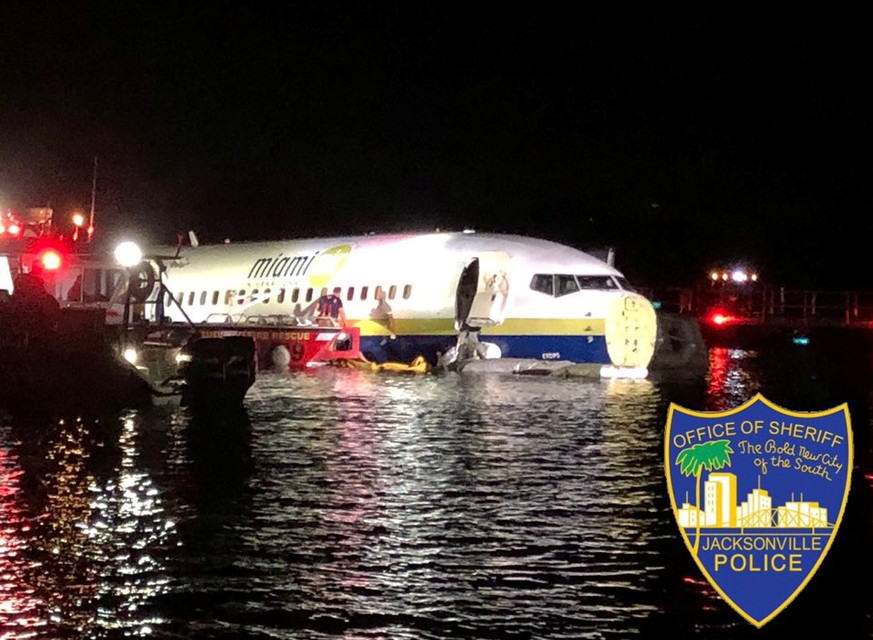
[{"x": 419, "y": 365}]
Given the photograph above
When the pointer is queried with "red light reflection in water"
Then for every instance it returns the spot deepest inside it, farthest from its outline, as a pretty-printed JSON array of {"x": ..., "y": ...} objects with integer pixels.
[
  {"x": 719, "y": 358},
  {"x": 712, "y": 601},
  {"x": 20, "y": 609},
  {"x": 732, "y": 378}
]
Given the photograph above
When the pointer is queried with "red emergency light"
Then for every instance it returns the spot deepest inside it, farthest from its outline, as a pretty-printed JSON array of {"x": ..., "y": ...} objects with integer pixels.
[
  {"x": 51, "y": 259},
  {"x": 10, "y": 227},
  {"x": 719, "y": 318}
]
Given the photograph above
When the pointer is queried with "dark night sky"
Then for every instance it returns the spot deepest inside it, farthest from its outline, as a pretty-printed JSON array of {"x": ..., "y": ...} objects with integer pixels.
[{"x": 677, "y": 136}]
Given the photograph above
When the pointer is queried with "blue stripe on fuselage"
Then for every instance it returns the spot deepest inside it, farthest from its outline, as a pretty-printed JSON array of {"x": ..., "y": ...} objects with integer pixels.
[{"x": 406, "y": 348}]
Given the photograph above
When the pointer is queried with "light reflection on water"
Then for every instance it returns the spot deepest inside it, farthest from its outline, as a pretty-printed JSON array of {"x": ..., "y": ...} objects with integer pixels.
[
  {"x": 348, "y": 504},
  {"x": 451, "y": 505},
  {"x": 90, "y": 534}
]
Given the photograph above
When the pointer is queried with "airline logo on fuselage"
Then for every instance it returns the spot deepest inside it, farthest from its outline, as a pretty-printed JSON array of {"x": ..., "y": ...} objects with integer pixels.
[
  {"x": 280, "y": 266},
  {"x": 320, "y": 266}
]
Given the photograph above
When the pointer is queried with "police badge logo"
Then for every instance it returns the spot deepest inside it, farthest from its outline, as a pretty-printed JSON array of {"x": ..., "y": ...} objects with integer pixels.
[{"x": 759, "y": 493}]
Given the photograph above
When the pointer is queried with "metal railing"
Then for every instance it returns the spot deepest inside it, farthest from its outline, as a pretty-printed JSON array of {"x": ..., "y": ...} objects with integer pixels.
[{"x": 769, "y": 304}]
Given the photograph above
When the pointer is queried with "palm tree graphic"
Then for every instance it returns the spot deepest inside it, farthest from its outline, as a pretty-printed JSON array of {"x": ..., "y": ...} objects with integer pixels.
[{"x": 715, "y": 454}]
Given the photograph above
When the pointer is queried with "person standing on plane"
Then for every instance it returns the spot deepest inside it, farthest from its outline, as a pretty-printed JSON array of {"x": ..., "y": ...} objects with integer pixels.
[
  {"x": 383, "y": 313},
  {"x": 331, "y": 306},
  {"x": 74, "y": 293}
]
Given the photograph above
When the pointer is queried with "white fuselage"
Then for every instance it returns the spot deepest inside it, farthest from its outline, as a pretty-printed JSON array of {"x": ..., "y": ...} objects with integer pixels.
[{"x": 530, "y": 297}]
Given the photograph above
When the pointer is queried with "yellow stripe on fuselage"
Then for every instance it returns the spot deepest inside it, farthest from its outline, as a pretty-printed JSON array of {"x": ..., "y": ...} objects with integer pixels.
[{"x": 509, "y": 327}]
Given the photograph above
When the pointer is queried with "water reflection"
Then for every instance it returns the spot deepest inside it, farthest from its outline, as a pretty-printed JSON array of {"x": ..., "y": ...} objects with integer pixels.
[
  {"x": 454, "y": 505},
  {"x": 21, "y": 608},
  {"x": 733, "y": 377},
  {"x": 88, "y": 527},
  {"x": 342, "y": 503}
]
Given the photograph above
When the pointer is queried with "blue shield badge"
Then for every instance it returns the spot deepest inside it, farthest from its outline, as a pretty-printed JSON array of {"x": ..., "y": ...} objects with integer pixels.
[{"x": 759, "y": 493}]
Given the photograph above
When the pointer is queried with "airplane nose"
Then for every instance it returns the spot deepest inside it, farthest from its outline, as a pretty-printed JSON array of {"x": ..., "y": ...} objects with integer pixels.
[{"x": 631, "y": 331}]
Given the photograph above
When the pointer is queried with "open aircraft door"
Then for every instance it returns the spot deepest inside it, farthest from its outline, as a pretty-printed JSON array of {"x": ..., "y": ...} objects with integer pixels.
[{"x": 483, "y": 289}]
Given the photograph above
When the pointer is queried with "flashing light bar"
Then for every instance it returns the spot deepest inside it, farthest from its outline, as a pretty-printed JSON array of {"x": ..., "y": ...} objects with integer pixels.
[{"x": 739, "y": 276}]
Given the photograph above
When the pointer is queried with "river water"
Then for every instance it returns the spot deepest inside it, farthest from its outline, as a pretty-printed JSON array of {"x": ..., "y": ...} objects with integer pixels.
[{"x": 344, "y": 504}]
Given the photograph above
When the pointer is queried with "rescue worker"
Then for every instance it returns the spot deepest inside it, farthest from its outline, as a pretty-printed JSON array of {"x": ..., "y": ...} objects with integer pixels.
[
  {"x": 331, "y": 306},
  {"x": 35, "y": 310},
  {"x": 74, "y": 293}
]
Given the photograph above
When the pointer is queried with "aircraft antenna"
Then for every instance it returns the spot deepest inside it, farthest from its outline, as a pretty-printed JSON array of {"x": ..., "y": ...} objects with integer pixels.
[{"x": 93, "y": 199}]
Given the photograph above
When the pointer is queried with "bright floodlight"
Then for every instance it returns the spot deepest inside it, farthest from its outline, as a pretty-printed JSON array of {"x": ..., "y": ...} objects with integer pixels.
[
  {"x": 78, "y": 219},
  {"x": 739, "y": 276},
  {"x": 130, "y": 355},
  {"x": 128, "y": 254}
]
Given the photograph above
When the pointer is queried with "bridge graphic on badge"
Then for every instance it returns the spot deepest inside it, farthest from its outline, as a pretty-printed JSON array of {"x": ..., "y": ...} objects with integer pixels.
[{"x": 763, "y": 490}]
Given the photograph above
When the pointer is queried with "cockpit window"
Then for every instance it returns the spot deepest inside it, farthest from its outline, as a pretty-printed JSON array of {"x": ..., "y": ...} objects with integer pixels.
[
  {"x": 624, "y": 284},
  {"x": 557, "y": 285},
  {"x": 600, "y": 283},
  {"x": 542, "y": 282},
  {"x": 565, "y": 285}
]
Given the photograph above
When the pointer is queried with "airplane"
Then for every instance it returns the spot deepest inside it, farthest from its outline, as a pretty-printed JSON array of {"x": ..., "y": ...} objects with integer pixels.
[{"x": 410, "y": 294}]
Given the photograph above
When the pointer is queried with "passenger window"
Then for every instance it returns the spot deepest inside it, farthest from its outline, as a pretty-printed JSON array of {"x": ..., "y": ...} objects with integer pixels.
[
  {"x": 228, "y": 297},
  {"x": 407, "y": 291},
  {"x": 364, "y": 291},
  {"x": 215, "y": 298},
  {"x": 191, "y": 299},
  {"x": 565, "y": 285},
  {"x": 254, "y": 296},
  {"x": 181, "y": 298},
  {"x": 170, "y": 300},
  {"x": 392, "y": 291},
  {"x": 295, "y": 295},
  {"x": 241, "y": 296},
  {"x": 350, "y": 295},
  {"x": 309, "y": 295},
  {"x": 542, "y": 282},
  {"x": 378, "y": 294},
  {"x": 266, "y": 297},
  {"x": 281, "y": 297},
  {"x": 202, "y": 298}
]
